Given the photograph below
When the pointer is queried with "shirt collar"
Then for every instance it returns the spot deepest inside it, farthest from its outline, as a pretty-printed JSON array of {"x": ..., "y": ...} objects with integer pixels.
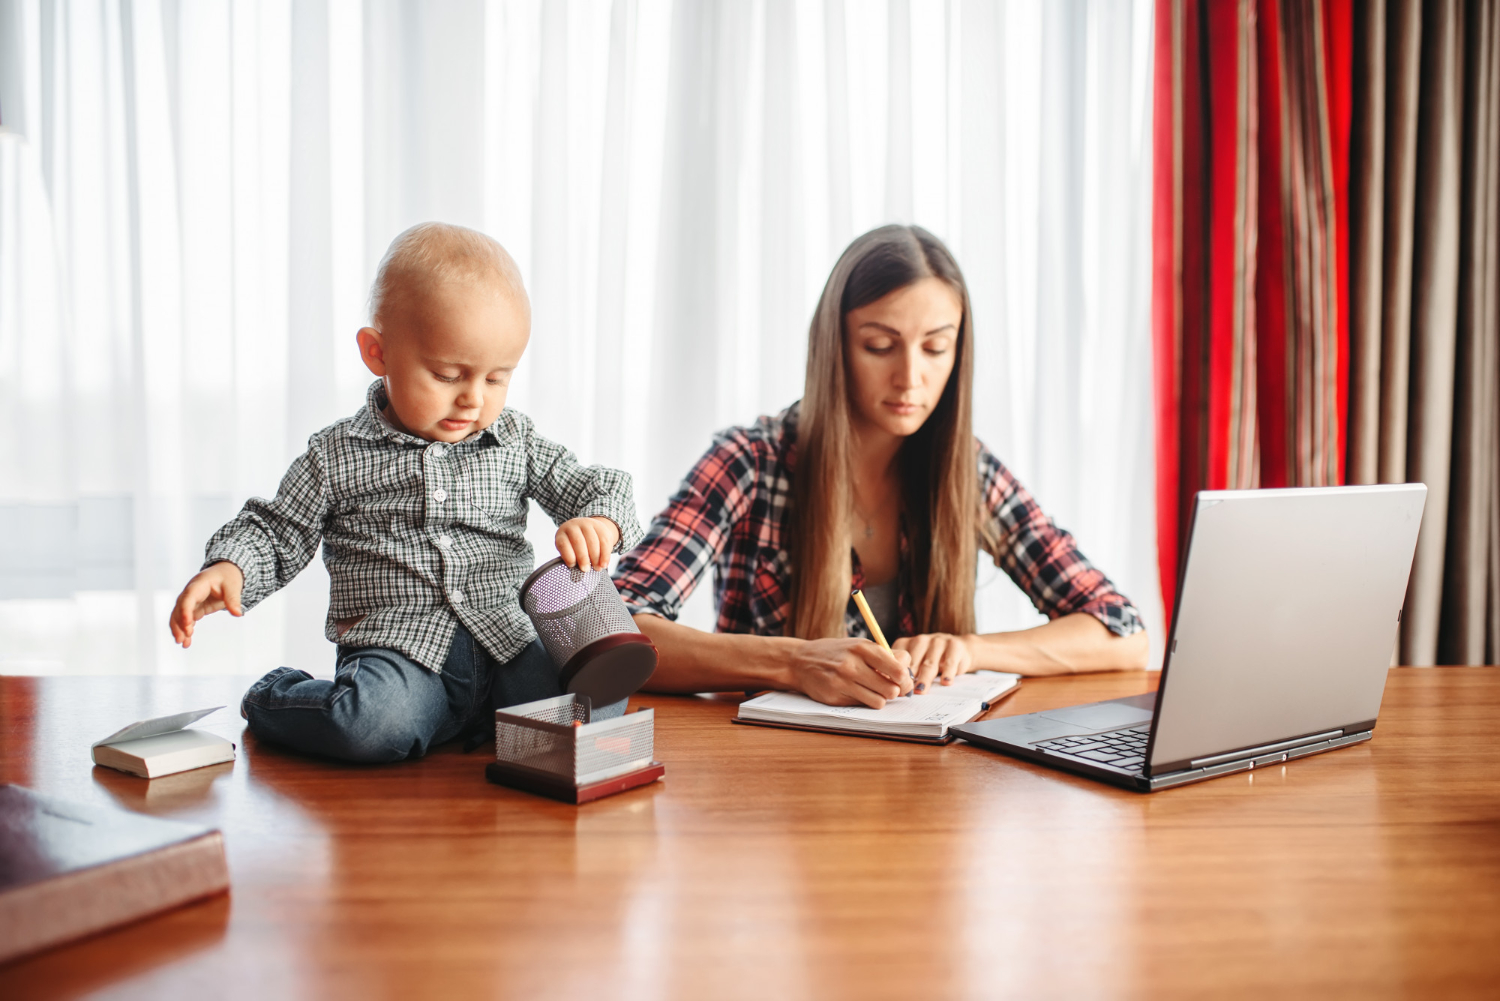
[
  {"x": 371, "y": 422},
  {"x": 503, "y": 428}
]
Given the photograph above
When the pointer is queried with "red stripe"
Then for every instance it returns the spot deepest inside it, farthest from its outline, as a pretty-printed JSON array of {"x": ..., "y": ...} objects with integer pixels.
[
  {"x": 1224, "y": 23},
  {"x": 1338, "y": 43},
  {"x": 1270, "y": 275}
]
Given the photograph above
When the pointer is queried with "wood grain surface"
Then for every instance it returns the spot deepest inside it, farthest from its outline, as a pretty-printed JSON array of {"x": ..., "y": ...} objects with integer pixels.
[{"x": 773, "y": 863}]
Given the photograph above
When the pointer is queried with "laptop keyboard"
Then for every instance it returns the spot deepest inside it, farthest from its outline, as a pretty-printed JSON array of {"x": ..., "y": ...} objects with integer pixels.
[{"x": 1119, "y": 748}]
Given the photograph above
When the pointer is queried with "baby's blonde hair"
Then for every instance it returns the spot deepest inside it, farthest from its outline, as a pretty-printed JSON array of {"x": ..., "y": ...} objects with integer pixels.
[{"x": 438, "y": 253}]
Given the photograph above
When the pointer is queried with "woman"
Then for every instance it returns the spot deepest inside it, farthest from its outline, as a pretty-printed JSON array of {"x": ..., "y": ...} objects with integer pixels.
[{"x": 874, "y": 481}]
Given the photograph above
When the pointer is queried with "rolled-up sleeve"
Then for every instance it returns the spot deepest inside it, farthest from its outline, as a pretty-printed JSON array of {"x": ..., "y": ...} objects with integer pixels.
[
  {"x": 690, "y": 535},
  {"x": 1044, "y": 560},
  {"x": 271, "y": 541}
]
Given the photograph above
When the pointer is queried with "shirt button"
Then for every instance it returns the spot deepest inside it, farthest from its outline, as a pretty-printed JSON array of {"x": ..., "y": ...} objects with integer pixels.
[
  {"x": 445, "y": 541},
  {"x": 440, "y": 495},
  {"x": 437, "y": 451},
  {"x": 457, "y": 597}
]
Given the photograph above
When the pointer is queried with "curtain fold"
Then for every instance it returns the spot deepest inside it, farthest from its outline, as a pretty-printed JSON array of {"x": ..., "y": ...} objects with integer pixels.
[
  {"x": 1434, "y": 315},
  {"x": 1469, "y": 626},
  {"x": 1302, "y": 260},
  {"x": 1368, "y": 236}
]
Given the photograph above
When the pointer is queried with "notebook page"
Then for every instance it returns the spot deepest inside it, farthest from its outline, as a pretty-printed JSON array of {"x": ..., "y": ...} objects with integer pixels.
[
  {"x": 985, "y": 686},
  {"x": 907, "y": 709}
]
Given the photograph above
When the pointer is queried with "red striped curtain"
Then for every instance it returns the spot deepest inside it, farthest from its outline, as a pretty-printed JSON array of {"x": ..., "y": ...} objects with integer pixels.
[{"x": 1250, "y": 274}]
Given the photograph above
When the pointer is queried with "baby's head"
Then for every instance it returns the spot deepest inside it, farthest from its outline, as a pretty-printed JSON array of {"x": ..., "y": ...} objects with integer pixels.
[{"x": 449, "y": 321}]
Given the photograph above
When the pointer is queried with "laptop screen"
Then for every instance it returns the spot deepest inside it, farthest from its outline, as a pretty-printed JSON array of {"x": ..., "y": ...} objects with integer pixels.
[{"x": 1286, "y": 617}]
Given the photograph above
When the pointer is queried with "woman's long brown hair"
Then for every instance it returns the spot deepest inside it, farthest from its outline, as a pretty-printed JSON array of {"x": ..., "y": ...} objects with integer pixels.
[{"x": 940, "y": 491}]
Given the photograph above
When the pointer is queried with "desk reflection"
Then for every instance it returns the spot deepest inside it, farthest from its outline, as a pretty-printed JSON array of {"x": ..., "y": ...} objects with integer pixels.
[
  {"x": 427, "y": 861},
  {"x": 163, "y": 795}
]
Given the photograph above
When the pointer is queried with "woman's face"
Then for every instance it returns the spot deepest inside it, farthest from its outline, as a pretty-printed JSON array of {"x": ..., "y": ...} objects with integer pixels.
[{"x": 899, "y": 352}]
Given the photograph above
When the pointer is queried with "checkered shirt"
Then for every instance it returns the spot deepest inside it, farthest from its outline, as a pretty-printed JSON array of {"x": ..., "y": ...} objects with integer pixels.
[
  {"x": 730, "y": 513},
  {"x": 419, "y": 535}
]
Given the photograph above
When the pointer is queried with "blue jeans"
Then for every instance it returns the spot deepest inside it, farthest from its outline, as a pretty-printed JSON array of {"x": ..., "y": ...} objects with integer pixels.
[{"x": 380, "y": 706}]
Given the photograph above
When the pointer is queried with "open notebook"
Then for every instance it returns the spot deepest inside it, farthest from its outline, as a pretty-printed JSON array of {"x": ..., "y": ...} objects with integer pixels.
[{"x": 924, "y": 718}]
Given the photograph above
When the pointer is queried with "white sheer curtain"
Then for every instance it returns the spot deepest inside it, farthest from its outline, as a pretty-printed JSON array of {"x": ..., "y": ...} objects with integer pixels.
[{"x": 194, "y": 194}]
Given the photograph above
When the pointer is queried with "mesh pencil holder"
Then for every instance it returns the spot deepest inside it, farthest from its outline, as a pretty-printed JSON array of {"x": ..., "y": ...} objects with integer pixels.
[
  {"x": 552, "y": 748},
  {"x": 588, "y": 632}
]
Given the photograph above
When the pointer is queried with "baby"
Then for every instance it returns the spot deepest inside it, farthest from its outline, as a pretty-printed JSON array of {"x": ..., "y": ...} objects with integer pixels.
[{"x": 419, "y": 501}]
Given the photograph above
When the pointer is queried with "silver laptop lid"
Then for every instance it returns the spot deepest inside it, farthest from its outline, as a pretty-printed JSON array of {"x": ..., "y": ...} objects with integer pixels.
[{"x": 1287, "y": 613}]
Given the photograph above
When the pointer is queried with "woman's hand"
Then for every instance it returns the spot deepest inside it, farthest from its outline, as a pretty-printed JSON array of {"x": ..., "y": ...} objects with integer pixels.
[
  {"x": 937, "y": 656},
  {"x": 849, "y": 672}
]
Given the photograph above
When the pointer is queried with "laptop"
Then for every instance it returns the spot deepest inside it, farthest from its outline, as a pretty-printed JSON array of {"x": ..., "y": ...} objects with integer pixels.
[{"x": 1288, "y": 602}]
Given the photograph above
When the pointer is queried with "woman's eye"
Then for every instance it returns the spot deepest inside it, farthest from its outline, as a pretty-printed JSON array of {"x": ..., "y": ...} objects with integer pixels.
[
  {"x": 936, "y": 348},
  {"x": 878, "y": 347}
]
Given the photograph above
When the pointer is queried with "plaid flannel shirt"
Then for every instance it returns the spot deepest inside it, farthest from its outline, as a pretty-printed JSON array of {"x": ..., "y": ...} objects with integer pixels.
[
  {"x": 418, "y": 535},
  {"x": 730, "y": 513}
]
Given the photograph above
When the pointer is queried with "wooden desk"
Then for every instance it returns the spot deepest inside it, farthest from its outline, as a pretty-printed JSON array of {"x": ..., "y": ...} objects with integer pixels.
[{"x": 780, "y": 864}]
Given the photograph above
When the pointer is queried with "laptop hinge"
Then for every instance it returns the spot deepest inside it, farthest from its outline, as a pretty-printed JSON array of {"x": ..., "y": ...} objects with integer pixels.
[{"x": 1254, "y": 752}]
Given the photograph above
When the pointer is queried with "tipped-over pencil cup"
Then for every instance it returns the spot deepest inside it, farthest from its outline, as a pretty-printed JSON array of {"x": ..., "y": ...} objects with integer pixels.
[
  {"x": 551, "y": 747},
  {"x": 588, "y": 632}
]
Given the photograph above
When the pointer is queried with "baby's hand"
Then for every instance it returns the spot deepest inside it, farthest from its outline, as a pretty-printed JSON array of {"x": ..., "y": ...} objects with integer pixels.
[
  {"x": 586, "y": 542},
  {"x": 215, "y": 588}
]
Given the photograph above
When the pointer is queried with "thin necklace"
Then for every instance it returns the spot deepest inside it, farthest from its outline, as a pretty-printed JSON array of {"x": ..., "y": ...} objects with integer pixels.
[{"x": 869, "y": 526}]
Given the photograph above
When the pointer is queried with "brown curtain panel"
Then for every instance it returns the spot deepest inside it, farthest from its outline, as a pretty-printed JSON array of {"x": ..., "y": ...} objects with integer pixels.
[{"x": 1424, "y": 373}]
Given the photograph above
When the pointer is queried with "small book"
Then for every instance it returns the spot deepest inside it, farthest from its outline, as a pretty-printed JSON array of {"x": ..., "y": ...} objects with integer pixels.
[
  {"x": 924, "y": 718},
  {"x": 67, "y": 871},
  {"x": 161, "y": 746}
]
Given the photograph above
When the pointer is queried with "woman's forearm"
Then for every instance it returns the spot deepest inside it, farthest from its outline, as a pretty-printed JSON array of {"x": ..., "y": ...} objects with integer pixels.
[
  {"x": 1070, "y": 644},
  {"x": 690, "y": 660}
]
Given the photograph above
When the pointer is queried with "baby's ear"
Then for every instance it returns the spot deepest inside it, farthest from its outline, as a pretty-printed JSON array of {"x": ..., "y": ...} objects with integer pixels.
[{"x": 371, "y": 349}]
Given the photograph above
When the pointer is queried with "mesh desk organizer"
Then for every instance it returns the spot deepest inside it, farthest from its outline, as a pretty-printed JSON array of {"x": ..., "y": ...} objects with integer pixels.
[{"x": 551, "y": 746}]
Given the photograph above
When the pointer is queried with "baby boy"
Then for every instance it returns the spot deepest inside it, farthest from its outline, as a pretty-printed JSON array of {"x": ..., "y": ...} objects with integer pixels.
[{"x": 419, "y": 501}]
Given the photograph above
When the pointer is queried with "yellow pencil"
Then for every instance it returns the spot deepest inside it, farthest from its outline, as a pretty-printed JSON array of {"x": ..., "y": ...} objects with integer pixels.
[{"x": 864, "y": 609}]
